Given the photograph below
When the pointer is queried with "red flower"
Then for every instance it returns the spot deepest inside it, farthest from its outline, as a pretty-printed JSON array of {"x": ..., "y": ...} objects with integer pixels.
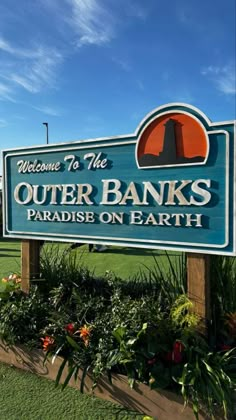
[
  {"x": 177, "y": 353},
  {"x": 70, "y": 328},
  {"x": 48, "y": 343}
]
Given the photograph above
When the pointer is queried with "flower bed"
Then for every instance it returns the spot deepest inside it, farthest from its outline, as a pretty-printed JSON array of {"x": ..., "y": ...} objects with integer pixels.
[
  {"x": 163, "y": 405},
  {"x": 142, "y": 332}
]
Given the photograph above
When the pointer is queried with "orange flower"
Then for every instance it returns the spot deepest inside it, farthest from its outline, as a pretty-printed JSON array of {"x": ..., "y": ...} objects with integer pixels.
[
  {"x": 12, "y": 277},
  {"x": 84, "y": 333},
  {"x": 48, "y": 343}
]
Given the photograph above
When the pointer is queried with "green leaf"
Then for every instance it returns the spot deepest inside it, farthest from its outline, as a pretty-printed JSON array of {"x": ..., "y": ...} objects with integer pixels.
[
  {"x": 125, "y": 360},
  {"x": 217, "y": 391},
  {"x": 148, "y": 418},
  {"x": 59, "y": 373},
  {"x": 57, "y": 352},
  {"x": 85, "y": 371},
  {"x": 113, "y": 359},
  {"x": 76, "y": 373},
  {"x": 109, "y": 376},
  {"x": 196, "y": 409},
  {"x": 131, "y": 341},
  {"x": 73, "y": 343},
  {"x": 208, "y": 367},
  {"x": 143, "y": 329},
  {"x": 119, "y": 333},
  {"x": 131, "y": 382},
  {"x": 161, "y": 375},
  {"x": 67, "y": 380}
]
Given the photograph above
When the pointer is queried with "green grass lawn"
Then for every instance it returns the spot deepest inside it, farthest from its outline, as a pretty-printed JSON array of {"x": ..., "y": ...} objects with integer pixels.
[
  {"x": 124, "y": 262},
  {"x": 25, "y": 396},
  {"x": 10, "y": 253}
]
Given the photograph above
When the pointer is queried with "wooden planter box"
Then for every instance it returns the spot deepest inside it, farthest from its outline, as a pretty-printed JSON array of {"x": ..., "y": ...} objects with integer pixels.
[{"x": 163, "y": 405}]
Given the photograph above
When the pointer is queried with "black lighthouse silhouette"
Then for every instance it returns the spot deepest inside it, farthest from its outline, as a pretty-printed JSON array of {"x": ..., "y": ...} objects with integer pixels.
[{"x": 168, "y": 155}]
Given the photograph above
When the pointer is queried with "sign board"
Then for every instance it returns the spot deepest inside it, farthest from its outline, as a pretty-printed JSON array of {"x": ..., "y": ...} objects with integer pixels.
[{"x": 170, "y": 185}]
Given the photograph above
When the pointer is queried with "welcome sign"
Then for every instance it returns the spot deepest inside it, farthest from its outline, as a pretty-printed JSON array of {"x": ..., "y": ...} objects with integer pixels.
[{"x": 170, "y": 185}]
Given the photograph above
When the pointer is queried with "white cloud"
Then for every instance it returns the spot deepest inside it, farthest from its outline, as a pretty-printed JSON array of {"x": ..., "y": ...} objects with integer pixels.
[
  {"x": 5, "y": 46},
  {"x": 91, "y": 21},
  {"x": 122, "y": 63},
  {"x": 3, "y": 123},
  {"x": 24, "y": 81},
  {"x": 179, "y": 94},
  {"x": 222, "y": 77},
  {"x": 133, "y": 9},
  {"x": 5, "y": 93},
  {"x": 48, "y": 110},
  {"x": 165, "y": 75},
  {"x": 32, "y": 69},
  {"x": 10, "y": 49},
  {"x": 140, "y": 85},
  {"x": 33, "y": 66}
]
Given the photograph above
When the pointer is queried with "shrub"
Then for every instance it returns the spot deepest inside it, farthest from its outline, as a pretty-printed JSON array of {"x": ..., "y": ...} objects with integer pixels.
[{"x": 22, "y": 317}]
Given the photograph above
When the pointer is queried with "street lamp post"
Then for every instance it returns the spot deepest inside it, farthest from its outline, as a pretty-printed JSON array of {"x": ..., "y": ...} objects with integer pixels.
[{"x": 46, "y": 125}]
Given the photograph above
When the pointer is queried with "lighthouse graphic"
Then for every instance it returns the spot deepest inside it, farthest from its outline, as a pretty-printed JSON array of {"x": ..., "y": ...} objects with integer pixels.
[
  {"x": 169, "y": 150},
  {"x": 171, "y": 141}
]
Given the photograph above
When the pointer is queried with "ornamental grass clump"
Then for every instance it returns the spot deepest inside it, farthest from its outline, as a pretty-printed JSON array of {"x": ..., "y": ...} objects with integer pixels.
[
  {"x": 170, "y": 280},
  {"x": 208, "y": 379}
]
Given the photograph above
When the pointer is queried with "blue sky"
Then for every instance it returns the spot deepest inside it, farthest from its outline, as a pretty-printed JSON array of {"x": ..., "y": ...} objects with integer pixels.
[{"x": 93, "y": 68}]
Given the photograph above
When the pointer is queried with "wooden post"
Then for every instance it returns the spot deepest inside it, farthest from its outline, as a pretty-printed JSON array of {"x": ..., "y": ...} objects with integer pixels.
[
  {"x": 30, "y": 268},
  {"x": 198, "y": 269}
]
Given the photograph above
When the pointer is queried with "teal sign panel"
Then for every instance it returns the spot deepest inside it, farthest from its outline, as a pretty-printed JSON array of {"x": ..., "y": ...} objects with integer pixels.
[{"x": 170, "y": 185}]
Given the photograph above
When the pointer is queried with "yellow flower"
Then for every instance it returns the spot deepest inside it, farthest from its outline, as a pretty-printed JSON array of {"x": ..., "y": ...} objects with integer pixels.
[{"x": 151, "y": 380}]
